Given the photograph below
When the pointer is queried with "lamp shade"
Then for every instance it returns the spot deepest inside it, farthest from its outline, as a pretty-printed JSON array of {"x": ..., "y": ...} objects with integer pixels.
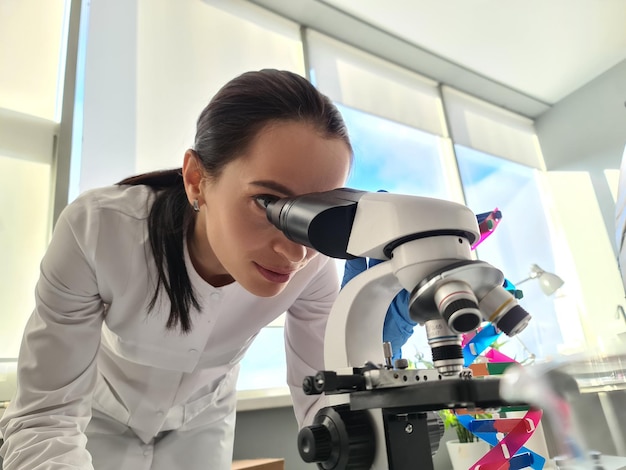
[{"x": 548, "y": 282}]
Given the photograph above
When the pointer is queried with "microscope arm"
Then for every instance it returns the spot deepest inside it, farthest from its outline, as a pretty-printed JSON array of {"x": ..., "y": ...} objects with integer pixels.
[{"x": 355, "y": 324}]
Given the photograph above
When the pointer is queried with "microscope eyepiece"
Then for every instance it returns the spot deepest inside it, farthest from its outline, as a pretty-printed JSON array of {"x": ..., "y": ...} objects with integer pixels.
[{"x": 322, "y": 221}]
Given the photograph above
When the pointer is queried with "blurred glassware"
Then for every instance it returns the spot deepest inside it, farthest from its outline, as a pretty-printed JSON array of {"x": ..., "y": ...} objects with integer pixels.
[{"x": 583, "y": 398}]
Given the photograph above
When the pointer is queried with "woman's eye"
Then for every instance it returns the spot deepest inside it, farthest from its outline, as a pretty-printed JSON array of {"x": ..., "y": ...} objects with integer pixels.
[{"x": 263, "y": 200}]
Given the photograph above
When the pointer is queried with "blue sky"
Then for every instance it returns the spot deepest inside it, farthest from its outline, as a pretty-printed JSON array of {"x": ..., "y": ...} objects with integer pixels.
[{"x": 393, "y": 157}]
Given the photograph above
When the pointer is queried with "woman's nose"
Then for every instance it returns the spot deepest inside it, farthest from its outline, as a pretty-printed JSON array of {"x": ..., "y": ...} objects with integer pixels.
[{"x": 292, "y": 251}]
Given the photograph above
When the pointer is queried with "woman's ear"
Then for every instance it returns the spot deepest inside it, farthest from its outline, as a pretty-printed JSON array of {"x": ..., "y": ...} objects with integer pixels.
[{"x": 192, "y": 176}]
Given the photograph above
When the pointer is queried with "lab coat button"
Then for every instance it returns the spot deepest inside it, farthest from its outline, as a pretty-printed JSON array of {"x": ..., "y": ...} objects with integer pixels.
[
  {"x": 215, "y": 296},
  {"x": 193, "y": 352},
  {"x": 160, "y": 414}
]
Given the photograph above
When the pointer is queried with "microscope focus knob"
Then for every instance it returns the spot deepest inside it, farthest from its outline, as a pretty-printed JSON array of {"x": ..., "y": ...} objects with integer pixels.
[
  {"x": 338, "y": 439},
  {"x": 315, "y": 443}
]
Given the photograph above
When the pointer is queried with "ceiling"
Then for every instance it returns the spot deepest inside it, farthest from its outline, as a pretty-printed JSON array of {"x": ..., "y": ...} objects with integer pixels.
[
  {"x": 526, "y": 54},
  {"x": 546, "y": 49}
]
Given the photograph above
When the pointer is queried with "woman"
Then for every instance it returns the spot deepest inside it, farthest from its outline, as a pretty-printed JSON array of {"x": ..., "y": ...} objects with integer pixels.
[{"x": 152, "y": 290}]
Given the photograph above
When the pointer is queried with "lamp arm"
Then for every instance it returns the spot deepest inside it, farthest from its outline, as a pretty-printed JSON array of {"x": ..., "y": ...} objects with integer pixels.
[{"x": 524, "y": 280}]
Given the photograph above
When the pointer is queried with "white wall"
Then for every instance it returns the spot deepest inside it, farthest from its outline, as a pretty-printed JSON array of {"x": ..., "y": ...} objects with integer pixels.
[
  {"x": 582, "y": 136},
  {"x": 587, "y": 129}
]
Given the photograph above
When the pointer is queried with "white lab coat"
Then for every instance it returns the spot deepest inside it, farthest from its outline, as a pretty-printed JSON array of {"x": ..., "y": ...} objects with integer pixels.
[{"x": 90, "y": 343}]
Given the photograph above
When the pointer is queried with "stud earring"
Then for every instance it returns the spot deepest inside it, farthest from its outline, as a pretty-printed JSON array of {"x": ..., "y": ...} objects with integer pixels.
[{"x": 195, "y": 205}]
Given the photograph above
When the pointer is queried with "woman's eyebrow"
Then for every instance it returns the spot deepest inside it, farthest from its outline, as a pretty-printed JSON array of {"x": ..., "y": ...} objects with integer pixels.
[{"x": 274, "y": 186}]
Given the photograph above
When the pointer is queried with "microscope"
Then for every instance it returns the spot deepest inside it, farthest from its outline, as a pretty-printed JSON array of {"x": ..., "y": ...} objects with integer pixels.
[{"x": 384, "y": 415}]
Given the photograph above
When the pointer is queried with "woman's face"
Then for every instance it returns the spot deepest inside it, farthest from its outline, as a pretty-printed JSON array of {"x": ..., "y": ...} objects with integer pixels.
[{"x": 232, "y": 238}]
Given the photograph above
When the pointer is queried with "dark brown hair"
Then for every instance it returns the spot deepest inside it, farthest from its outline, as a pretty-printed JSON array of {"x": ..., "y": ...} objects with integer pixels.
[{"x": 225, "y": 129}]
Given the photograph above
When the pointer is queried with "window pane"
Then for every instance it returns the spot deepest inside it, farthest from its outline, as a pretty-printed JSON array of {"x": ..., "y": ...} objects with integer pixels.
[
  {"x": 168, "y": 101},
  {"x": 23, "y": 236},
  {"x": 355, "y": 78},
  {"x": 482, "y": 126},
  {"x": 522, "y": 238},
  {"x": 263, "y": 366},
  {"x": 394, "y": 157},
  {"x": 31, "y": 47}
]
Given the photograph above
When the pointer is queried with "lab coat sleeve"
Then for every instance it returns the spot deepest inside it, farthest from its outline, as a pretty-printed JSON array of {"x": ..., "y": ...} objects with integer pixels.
[
  {"x": 305, "y": 325},
  {"x": 43, "y": 427}
]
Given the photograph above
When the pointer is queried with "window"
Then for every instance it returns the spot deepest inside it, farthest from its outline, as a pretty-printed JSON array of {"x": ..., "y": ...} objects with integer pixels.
[
  {"x": 264, "y": 365},
  {"x": 31, "y": 82},
  {"x": 362, "y": 81},
  {"x": 24, "y": 234},
  {"x": 398, "y": 132},
  {"x": 482, "y": 126},
  {"x": 141, "y": 84},
  {"x": 501, "y": 166},
  {"x": 32, "y": 35},
  {"x": 523, "y": 237},
  {"x": 395, "y": 157}
]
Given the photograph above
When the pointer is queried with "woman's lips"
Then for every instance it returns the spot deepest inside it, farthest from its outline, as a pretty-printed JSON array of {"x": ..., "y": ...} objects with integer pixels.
[{"x": 273, "y": 276}]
